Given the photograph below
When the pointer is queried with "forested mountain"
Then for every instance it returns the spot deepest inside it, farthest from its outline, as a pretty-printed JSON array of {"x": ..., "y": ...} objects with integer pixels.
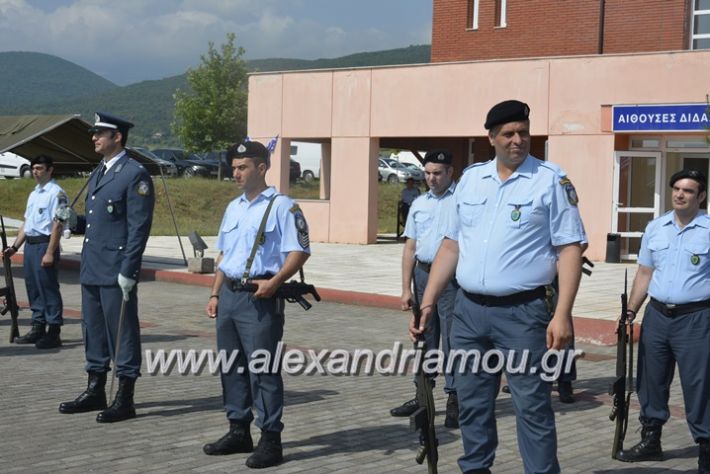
[{"x": 35, "y": 83}]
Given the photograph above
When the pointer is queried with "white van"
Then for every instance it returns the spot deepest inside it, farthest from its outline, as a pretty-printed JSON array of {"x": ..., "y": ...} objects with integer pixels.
[
  {"x": 308, "y": 156},
  {"x": 14, "y": 166}
]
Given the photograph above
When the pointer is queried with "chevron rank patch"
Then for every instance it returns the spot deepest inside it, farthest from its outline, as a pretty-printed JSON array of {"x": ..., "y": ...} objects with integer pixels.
[
  {"x": 571, "y": 193},
  {"x": 301, "y": 227}
]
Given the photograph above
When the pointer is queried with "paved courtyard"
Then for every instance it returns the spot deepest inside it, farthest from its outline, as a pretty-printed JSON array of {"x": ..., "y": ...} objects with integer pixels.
[{"x": 333, "y": 423}]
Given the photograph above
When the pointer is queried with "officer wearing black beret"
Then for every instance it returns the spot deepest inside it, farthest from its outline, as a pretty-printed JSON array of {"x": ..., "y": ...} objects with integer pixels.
[
  {"x": 674, "y": 270},
  {"x": 119, "y": 213},
  {"x": 515, "y": 222}
]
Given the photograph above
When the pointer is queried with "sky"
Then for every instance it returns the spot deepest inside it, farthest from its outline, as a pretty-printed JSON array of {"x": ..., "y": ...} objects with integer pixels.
[{"x": 127, "y": 41}]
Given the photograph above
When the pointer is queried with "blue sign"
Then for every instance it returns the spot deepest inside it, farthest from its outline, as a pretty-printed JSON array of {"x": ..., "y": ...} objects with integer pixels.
[{"x": 663, "y": 118}]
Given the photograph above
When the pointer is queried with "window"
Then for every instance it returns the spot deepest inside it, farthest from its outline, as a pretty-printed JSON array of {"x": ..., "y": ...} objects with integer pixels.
[
  {"x": 501, "y": 7},
  {"x": 701, "y": 25},
  {"x": 473, "y": 14}
]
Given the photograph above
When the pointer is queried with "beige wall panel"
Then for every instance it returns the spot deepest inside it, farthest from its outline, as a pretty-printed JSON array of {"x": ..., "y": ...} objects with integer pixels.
[
  {"x": 351, "y": 103},
  {"x": 265, "y": 112},
  {"x": 307, "y": 104}
]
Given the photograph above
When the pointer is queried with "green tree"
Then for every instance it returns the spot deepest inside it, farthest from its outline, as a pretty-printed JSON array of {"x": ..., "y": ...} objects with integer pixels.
[{"x": 213, "y": 114}]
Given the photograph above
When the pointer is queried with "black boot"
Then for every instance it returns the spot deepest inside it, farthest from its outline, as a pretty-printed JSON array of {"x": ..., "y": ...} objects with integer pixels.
[
  {"x": 122, "y": 407},
  {"x": 268, "y": 452},
  {"x": 406, "y": 408},
  {"x": 35, "y": 334},
  {"x": 648, "y": 449},
  {"x": 93, "y": 398},
  {"x": 565, "y": 392},
  {"x": 50, "y": 340},
  {"x": 237, "y": 440},
  {"x": 704, "y": 456},
  {"x": 452, "y": 411}
]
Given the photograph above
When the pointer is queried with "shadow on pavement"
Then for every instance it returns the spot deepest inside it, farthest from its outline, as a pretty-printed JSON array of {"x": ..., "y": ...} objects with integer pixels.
[{"x": 384, "y": 438}]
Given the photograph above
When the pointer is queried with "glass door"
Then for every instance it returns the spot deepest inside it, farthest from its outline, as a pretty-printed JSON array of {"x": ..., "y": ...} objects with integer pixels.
[{"x": 637, "y": 197}]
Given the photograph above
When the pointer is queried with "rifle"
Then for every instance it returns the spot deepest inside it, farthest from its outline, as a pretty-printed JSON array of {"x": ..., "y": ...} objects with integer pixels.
[
  {"x": 8, "y": 292},
  {"x": 422, "y": 420},
  {"x": 291, "y": 291},
  {"x": 622, "y": 388}
]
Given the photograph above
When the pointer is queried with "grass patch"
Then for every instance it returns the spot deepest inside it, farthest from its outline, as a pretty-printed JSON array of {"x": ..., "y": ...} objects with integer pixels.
[{"x": 198, "y": 203}]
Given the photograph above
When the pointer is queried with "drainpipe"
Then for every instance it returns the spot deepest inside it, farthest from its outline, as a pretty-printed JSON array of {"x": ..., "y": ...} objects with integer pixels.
[{"x": 600, "y": 47}]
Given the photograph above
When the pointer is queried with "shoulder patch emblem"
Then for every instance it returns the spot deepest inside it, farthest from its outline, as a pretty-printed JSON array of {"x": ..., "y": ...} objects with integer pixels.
[
  {"x": 571, "y": 193},
  {"x": 294, "y": 208},
  {"x": 62, "y": 198},
  {"x": 143, "y": 189},
  {"x": 301, "y": 229}
]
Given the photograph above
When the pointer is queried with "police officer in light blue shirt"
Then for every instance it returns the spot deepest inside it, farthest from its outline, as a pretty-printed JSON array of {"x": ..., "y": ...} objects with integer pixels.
[
  {"x": 514, "y": 216},
  {"x": 674, "y": 270},
  {"x": 265, "y": 252},
  {"x": 426, "y": 224},
  {"x": 119, "y": 214},
  {"x": 40, "y": 233}
]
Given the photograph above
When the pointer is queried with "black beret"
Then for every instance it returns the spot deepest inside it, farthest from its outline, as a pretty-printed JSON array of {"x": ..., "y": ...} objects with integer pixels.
[
  {"x": 248, "y": 149},
  {"x": 505, "y": 112},
  {"x": 691, "y": 174},
  {"x": 105, "y": 121},
  {"x": 438, "y": 156}
]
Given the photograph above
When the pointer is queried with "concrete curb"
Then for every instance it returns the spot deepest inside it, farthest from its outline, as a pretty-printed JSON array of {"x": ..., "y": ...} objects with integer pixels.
[{"x": 594, "y": 331}]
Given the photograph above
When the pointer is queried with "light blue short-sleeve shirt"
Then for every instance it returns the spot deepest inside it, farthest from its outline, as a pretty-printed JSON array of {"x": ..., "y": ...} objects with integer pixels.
[
  {"x": 286, "y": 231},
  {"x": 427, "y": 221},
  {"x": 680, "y": 259},
  {"x": 41, "y": 206},
  {"x": 508, "y": 232}
]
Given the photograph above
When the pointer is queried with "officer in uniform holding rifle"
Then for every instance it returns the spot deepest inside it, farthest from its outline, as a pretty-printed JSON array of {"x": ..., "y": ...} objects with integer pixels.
[
  {"x": 674, "y": 270},
  {"x": 514, "y": 215},
  {"x": 424, "y": 232},
  {"x": 263, "y": 240}
]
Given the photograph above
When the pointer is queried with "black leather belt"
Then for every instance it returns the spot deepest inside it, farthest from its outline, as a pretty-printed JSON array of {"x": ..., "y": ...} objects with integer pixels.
[
  {"x": 673, "y": 310},
  {"x": 424, "y": 266},
  {"x": 507, "y": 300},
  {"x": 236, "y": 285},
  {"x": 37, "y": 239}
]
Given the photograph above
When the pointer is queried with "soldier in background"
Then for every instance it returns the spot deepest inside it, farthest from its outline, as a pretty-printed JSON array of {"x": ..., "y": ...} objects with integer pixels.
[{"x": 40, "y": 233}]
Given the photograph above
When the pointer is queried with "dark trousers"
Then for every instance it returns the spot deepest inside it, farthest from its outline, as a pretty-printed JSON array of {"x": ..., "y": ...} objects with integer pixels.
[
  {"x": 520, "y": 327},
  {"x": 247, "y": 324},
  {"x": 42, "y": 285},
  {"x": 665, "y": 341},
  {"x": 439, "y": 326},
  {"x": 100, "y": 312}
]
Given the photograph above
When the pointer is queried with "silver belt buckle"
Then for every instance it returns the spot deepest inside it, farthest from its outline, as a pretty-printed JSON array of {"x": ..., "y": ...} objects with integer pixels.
[{"x": 670, "y": 306}]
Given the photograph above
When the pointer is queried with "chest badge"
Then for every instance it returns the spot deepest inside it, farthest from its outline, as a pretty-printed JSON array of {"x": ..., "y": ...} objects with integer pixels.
[
  {"x": 515, "y": 214},
  {"x": 695, "y": 259},
  {"x": 109, "y": 208}
]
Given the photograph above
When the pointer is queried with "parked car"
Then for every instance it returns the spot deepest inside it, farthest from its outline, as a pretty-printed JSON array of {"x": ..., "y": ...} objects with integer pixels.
[
  {"x": 14, "y": 166},
  {"x": 391, "y": 171},
  {"x": 219, "y": 158},
  {"x": 416, "y": 169},
  {"x": 188, "y": 165},
  {"x": 169, "y": 168}
]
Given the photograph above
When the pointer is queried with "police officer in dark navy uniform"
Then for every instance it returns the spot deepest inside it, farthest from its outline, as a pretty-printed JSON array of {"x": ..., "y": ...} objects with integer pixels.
[
  {"x": 674, "y": 270},
  {"x": 516, "y": 216},
  {"x": 119, "y": 213},
  {"x": 249, "y": 322},
  {"x": 40, "y": 233}
]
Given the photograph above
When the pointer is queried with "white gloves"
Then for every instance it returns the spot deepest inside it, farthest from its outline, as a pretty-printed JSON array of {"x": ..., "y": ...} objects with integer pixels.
[{"x": 126, "y": 285}]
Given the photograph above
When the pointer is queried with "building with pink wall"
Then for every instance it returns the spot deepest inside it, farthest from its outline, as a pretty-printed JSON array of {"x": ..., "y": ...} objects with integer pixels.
[{"x": 589, "y": 114}]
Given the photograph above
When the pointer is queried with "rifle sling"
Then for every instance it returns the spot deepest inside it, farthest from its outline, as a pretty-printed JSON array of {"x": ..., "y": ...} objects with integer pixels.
[{"x": 259, "y": 236}]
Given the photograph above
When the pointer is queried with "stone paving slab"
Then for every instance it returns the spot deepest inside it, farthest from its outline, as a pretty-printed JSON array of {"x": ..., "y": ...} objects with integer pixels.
[{"x": 333, "y": 423}]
